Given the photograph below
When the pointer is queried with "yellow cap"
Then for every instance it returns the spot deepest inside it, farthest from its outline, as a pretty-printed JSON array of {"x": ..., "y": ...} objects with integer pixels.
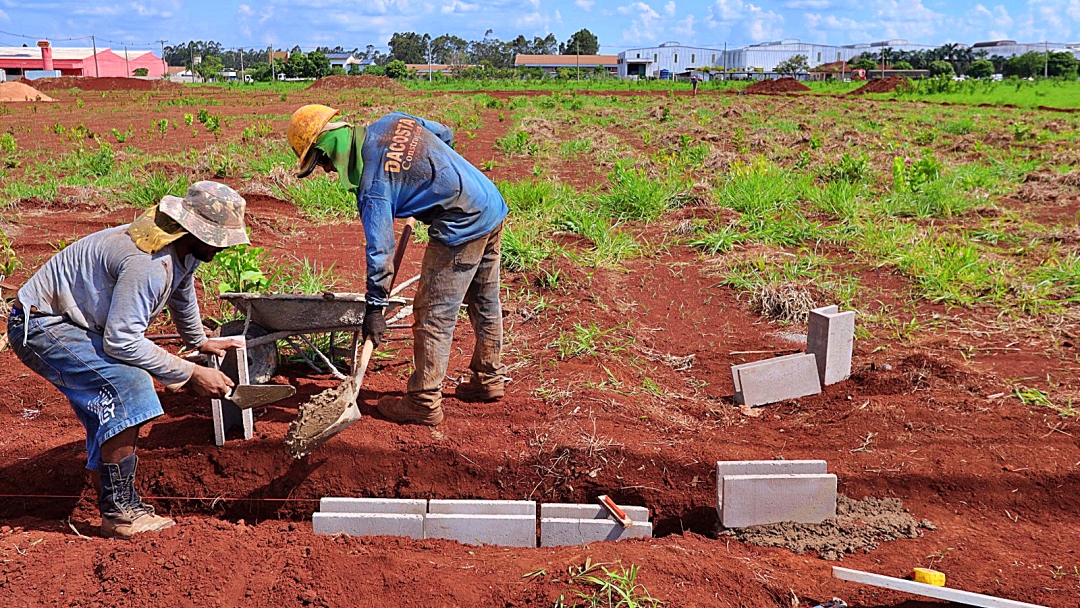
[
  {"x": 303, "y": 131},
  {"x": 930, "y": 577}
]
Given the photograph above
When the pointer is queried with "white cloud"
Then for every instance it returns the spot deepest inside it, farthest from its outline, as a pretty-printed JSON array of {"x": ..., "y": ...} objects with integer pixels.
[
  {"x": 808, "y": 4},
  {"x": 530, "y": 20},
  {"x": 457, "y": 6},
  {"x": 745, "y": 19},
  {"x": 4, "y": 16},
  {"x": 685, "y": 27},
  {"x": 669, "y": 8},
  {"x": 982, "y": 23},
  {"x": 558, "y": 16},
  {"x": 96, "y": 11},
  {"x": 585, "y": 4}
]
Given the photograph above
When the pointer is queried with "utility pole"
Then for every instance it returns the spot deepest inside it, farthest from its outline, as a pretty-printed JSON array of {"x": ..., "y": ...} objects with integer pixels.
[
  {"x": 577, "y": 46},
  {"x": 127, "y": 66},
  {"x": 191, "y": 56},
  {"x": 725, "y": 61},
  {"x": 273, "y": 73},
  {"x": 164, "y": 64},
  {"x": 883, "y": 62},
  {"x": 242, "y": 80},
  {"x": 97, "y": 72},
  {"x": 1046, "y": 64}
]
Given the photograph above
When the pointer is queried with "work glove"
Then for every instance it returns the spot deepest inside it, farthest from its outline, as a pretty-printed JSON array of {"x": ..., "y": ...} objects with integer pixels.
[{"x": 374, "y": 324}]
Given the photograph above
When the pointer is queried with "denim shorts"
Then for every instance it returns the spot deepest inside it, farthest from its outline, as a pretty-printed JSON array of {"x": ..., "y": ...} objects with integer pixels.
[{"x": 108, "y": 396}]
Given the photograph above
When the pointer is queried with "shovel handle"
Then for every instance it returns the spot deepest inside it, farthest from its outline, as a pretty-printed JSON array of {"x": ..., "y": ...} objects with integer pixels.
[{"x": 369, "y": 346}]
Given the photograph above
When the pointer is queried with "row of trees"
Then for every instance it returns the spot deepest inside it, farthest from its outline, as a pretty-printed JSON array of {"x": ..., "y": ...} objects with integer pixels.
[
  {"x": 950, "y": 59},
  {"x": 411, "y": 47}
]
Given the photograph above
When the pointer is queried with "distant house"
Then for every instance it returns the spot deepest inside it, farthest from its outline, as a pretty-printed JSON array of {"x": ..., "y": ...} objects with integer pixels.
[
  {"x": 551, "y": 63},
  {"x": 344, "y": 60},
  {"x": 78, "y": 61},
  {"x": 423, "y": 69}
]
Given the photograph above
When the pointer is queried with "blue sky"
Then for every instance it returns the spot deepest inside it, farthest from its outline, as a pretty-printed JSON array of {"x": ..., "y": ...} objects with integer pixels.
[{"x": 618, "y": 24}]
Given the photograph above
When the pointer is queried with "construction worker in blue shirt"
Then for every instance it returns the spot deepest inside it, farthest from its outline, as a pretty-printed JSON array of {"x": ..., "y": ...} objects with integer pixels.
[{"x": 401, "y": 166}]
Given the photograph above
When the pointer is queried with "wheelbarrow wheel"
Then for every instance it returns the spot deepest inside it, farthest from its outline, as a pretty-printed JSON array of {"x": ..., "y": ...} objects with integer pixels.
[{"x": 262, "y": 360}]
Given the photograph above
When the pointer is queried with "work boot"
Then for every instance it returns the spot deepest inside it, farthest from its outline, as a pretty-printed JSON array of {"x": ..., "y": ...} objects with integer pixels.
[
  {"x": 474, "y": 390},
  {"x": 123, "y": 513},
  {"x": 401, "y": 409}
]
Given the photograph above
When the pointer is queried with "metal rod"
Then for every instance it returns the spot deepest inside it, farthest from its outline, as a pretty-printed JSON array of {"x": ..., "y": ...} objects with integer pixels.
[
  {"x": 301, "y": 352},
  {"x": 319, "y": 353},
  {"x": 402, "y": 286}
]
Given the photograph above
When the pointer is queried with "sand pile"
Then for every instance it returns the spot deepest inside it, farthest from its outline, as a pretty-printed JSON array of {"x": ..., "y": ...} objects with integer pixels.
[
  {"x": 783, "y": 85},
  {"x": 882, "y": 85},
  {"x": 347, "y": 83},
  {"x": 17, "y": 91},
  {"x": 104, "y": 84}
]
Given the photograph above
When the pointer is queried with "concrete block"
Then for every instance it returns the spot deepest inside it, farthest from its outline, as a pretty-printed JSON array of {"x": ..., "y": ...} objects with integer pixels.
[
  {"x": 483, "y": 507},
  {"x": 369, "y": 524},
  {"x": 373, "y": 505},
  {"x": 557, "y": 532},
  {"x": 830, "y": 337},
  {"x": 776, "y": 379},
  {"x": 754, "y": 500},
  {"x": 727, "y": 468},
  {"x": 554, "y": 510},
  {"x": 503, "y": 530}
]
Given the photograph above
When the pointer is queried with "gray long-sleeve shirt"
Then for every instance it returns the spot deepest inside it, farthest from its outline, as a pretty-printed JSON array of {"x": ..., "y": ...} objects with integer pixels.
[{"x": 107, "y": 285}]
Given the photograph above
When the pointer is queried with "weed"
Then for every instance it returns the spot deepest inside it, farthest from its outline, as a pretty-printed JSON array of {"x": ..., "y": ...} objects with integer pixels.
[
  {"x": 320, "y": 197},
  {"x": 261, "y": 129},
  {"x": 918, "y": 175},
  {"x": 720, "y": 241},
  {"x": 847, "y": 169},
  {"x": 575, "y": 147},
  {"x": 585, "y": 341},
  {"x": 189, "y": 119},
  {"x": 240, "y": 270},
  {"x": 9, "y": 151},
  {"x": 634, "y": 195},
  {"x": 615, "y": 589},
  {"x": 162, "y": 126},
  {"x": 516, "y": 144},
  {"x": 488, "y": 165},
  {"x": 311, "y": 278},
  {"x": 9, "y": 262},
  {"x": 150, "y": 190},
  {"x": 522, "y": 249},
  {"x": 122, "y": 136}
]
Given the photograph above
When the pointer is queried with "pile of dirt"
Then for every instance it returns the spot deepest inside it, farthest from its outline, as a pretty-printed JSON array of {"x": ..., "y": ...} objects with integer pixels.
[
  {"x": 17, "y": 91},
  {"x": 783, "y": 85},
  {"x": 858, "y": 525},
  {"x": 104, "y": 84},
  {"x": 349, "y": 83},
  {"x": 882, "y": 85}
]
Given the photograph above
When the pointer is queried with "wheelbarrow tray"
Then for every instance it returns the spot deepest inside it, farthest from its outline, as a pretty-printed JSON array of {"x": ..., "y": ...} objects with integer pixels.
[{"x": 301, "y": 313}]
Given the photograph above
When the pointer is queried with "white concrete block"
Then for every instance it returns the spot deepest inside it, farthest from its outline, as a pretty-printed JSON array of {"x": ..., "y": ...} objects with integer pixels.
[
  {"x": 557, "y": 532},
  {"x": 417, "y": 506},
  {"x": 776, "y": 379},
  {"x": 369, "y": 524},
  {"x": 726, "y": 468},
  {"x": 830, "y": 336},
  {"x": 483, "y": 507},
  {"x": 754, "y": 500},
  {"x": 503, "y": 530},
  {"x": 554, "y": 510}
]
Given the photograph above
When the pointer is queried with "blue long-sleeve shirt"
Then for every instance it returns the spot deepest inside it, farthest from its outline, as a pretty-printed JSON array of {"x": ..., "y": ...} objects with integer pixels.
[{"x": 410, "y": 170}]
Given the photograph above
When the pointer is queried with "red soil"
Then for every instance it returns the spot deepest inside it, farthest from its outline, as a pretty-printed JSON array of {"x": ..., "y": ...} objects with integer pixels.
[
  {"x": 915, "y": 422},
  {"x": 103, "y": 84},
  {"x": 348, "y": 83},
  {"x": 882, "y": 85},
  {"x": 781, "y": 85}
]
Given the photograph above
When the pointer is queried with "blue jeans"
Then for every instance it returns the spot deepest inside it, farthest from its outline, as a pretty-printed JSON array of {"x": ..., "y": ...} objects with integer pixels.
[{"x": 108, "y": 396}]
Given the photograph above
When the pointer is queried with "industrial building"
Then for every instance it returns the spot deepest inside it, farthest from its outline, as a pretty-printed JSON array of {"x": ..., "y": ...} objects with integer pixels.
[
  {"x": 670, "y": 58},
  {"x": 551, "y": 63},
  {"x": 73, "y": 61},
  {"x": 1012, "y": 48}
]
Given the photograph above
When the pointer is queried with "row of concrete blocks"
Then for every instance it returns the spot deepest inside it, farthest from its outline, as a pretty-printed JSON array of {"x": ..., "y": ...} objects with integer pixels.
[
  {"x": 829, "y": 340},
  {"x": 760, "y": 492},
  {"x": 509, "y": 523}
]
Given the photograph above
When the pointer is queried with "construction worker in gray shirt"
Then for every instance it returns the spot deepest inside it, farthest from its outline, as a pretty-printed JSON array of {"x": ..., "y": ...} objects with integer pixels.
[{"x": 80, "y": 323}]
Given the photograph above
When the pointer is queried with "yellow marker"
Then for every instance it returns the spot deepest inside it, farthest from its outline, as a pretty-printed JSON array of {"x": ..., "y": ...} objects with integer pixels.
[{"x": 930, "y": 577}]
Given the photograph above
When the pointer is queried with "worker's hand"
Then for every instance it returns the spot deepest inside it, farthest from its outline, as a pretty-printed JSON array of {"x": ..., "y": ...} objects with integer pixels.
[
  {"x": 218, "y": 346},
  {"x": 374, "y": 324},
  {"x": 207, "y": 382}
]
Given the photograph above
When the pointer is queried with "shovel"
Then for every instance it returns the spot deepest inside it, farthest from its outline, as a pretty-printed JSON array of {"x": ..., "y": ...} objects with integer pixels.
[
  {"x": 334, "y": 410},
  {"x": 247, "y": 396}
]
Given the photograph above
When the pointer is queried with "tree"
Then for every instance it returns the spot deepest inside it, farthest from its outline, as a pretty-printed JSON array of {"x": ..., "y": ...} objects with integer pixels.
[
  {"x": 793, "y": 65},
  {"x": 337, "y": 70},
  {"x": 941, "y": 68},
  {"x": 140, "y": 72},
  {"x": 902, "y": 65},
  {"x": 1062, "y": 65},
  {"x": 354, "y": 69},
  {"x": 449, "y": 50},
  {"x": 582, "y": 42},
  {"x": 375, "y": 70},
  {"x": 397, "y": 69},
  {"x": 209, "y": 68},
  {"x": 410, "y": 47},
  {"x": 317, "y": 65},
  {"x": 863, "y": 63},
  {"x": 981, "y": 68}
]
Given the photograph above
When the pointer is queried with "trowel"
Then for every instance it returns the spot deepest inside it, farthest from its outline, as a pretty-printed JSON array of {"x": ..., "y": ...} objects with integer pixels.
[
  {"x": 247, "y": 396},
  {"x": 316, "y": 422}
]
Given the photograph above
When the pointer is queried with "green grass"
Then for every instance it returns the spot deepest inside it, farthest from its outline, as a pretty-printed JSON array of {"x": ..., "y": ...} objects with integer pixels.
[
  {"x": 149, "y": 190},
  {"x": 320, "y": 197}
]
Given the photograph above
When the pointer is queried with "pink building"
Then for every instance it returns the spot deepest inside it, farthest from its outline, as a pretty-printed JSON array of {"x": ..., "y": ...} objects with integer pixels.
[{"x": 72, "y": 61}]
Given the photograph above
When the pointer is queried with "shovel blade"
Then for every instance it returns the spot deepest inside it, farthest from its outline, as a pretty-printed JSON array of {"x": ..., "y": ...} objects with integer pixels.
[
  {"x": 324, "y": 416},
  {"x": 247, "y": 396}
]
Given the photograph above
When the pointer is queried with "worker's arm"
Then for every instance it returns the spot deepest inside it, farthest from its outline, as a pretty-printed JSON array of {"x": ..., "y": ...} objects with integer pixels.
[
  {"x": 440, "y": 130},
  {"x": 184, "y": 306},
  {"x": 140, "y": 286},
  {"x": 377, "y": 213}
]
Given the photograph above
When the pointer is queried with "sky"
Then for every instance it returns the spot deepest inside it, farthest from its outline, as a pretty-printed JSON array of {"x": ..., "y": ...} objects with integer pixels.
[{"x": 618, "y": 24}]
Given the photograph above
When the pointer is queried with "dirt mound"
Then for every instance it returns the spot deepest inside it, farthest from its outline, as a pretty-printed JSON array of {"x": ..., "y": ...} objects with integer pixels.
[
  {"x": 783, "y": 85},
  {"x": 348, "y": 83},
  {"x": 17, "y": 91},
  {"x": 882, "y": 85},
  {"x": 858, "y": 525},
  {"x": 104, "y": 84}
]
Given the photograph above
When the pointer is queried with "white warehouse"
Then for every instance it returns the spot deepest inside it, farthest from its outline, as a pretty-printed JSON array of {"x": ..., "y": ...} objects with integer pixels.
[
  {"x": 1010, "y": 48},
  {"x": 670, "y": 56}
]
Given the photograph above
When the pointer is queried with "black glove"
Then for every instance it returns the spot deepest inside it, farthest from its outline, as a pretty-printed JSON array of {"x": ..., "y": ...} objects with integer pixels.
[{"x": 374, "y": 324}]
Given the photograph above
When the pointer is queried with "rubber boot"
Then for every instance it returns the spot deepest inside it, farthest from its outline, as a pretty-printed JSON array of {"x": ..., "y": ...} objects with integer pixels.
[
  {"x": 123, "y": 513},
  {"x": 401, "y": 409},
  {"x": 475, "y": 391}
]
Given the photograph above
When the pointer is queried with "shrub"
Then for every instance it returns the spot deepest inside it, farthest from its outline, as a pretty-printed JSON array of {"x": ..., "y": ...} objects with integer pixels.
[
  {"x": 983, "y": 68},
  {"x": 941, "y": 68},
  {"x": 397, "y": 69}
]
